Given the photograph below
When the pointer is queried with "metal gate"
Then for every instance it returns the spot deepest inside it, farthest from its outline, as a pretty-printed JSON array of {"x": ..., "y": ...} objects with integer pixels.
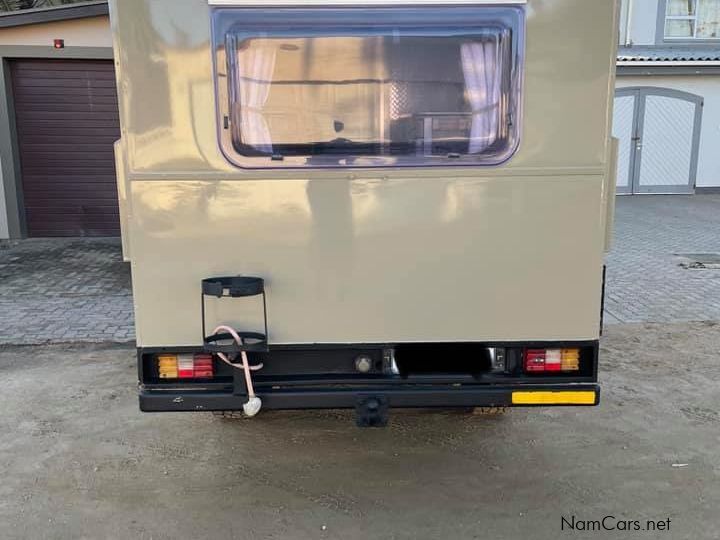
[{"x": 659, "y": 132}]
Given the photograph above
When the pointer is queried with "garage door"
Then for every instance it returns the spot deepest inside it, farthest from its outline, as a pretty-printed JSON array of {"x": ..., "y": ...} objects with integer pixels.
[{"x": 67, "y": 121}]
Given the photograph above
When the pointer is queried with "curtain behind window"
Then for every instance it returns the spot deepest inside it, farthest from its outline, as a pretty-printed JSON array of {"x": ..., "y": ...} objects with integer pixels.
[
  {"x": 480, "y": 63},
  {"x": 708, "y": 19},
  {"x": 702, "y": 22},
  {"x": 254, "y": 66}
]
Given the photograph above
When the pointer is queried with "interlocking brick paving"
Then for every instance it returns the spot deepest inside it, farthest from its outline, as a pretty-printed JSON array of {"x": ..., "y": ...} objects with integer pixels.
[
  {"x": 64, "y": 290},
  {"x": 647, "y": 279}
]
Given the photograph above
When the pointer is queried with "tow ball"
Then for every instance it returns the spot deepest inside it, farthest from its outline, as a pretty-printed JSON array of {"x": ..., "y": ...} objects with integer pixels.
[{"x": 372, "y": 411}]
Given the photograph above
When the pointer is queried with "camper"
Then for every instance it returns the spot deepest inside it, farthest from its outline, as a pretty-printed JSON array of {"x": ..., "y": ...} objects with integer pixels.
[{"x": 365, "y": 204}]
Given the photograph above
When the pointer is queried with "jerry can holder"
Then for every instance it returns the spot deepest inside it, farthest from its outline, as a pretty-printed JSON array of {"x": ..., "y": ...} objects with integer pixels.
[{"x": 236, "y": 287}]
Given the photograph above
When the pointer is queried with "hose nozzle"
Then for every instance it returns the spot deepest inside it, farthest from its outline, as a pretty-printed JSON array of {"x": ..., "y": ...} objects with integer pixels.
[{"x": 252, "y": 407}]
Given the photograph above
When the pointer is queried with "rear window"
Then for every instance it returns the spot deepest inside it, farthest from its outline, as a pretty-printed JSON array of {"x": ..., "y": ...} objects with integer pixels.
[{"x": 364, "y": 87}]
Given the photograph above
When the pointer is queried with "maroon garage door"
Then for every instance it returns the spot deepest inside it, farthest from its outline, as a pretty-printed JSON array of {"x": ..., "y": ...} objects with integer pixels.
[{"x": 67, "y": 121}]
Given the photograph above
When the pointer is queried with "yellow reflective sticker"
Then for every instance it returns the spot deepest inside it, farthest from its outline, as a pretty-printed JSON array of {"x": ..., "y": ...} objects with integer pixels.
[{"x": 559, "y": 397}]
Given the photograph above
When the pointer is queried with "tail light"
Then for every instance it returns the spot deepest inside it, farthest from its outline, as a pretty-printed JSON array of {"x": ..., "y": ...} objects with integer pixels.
[
  {"x": 167, "y": 366},
  {"x": 570, "y": 360},
  {"x": 551, "y": 360},
  {"x": 203, "y": 365},
  {"x": 185, "y": 366}
]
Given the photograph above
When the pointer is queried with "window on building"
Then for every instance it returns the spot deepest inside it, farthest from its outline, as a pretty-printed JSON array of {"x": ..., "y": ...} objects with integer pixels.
[
  {"x": 368, "y": 87},
  {"x": 692, "y": 19}
]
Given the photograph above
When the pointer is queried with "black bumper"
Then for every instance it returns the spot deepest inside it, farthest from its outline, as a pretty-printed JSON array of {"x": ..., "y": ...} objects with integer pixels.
[{"x": 168, "y": 400}]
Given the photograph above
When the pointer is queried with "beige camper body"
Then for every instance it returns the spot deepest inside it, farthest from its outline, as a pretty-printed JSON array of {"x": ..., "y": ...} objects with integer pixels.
[{"x": 370, "y": 250}]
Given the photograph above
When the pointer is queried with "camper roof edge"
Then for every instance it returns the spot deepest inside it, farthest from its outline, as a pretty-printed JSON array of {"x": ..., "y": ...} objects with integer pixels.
[{"x": 289, "y": 3}]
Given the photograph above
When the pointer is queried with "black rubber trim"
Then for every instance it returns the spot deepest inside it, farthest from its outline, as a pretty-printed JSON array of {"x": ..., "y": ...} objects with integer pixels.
[
  {"x": 237, "y": 286},
  {"x": 259, "y": 343}
]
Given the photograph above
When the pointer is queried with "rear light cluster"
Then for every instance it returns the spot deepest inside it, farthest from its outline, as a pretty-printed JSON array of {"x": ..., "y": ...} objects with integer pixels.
[
  {"x": 185, "y": 366},
  {"x": 551, "y": 360}
]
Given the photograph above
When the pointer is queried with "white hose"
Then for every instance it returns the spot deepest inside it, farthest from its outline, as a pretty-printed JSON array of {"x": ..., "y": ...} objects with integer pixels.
[{"x": 254, "y": 404}]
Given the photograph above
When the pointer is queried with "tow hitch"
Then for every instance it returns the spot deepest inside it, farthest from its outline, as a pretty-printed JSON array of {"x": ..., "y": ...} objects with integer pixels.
[{"x": 372, "y": 411}]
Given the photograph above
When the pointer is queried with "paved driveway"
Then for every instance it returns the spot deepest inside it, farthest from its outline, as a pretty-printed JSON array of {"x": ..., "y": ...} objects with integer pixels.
[
  {"x": 645, "y": 279},
  {"x": 79, "y": 290},
  {"x": 65, "y": 290}
]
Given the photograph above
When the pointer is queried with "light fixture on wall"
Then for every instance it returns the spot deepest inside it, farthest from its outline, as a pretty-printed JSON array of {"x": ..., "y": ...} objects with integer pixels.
[{"x": 59, "y": 43}]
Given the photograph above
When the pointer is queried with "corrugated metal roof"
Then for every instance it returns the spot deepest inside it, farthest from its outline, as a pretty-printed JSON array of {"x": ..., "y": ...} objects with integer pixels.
[{"x": 669, "y": 54}]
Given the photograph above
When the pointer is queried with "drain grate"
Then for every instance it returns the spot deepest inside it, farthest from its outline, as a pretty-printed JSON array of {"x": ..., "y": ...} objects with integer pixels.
[{"x": 699, "y": 261}]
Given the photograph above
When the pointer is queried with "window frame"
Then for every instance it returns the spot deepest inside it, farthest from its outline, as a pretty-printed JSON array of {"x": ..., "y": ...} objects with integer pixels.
[
  {"x": 663, "y": 18},
  {"x": 225, "y": 132}
]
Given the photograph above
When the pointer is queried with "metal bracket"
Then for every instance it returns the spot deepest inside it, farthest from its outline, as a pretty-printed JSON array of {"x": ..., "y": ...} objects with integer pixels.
[{"x": 234, "y": 287}]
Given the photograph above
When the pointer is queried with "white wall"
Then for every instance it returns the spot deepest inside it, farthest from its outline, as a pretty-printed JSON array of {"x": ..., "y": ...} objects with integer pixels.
[
  {"x": 643, "y": 21},
  {"x": 707, "y": 86},
  {"x": 90, "y": 32}
]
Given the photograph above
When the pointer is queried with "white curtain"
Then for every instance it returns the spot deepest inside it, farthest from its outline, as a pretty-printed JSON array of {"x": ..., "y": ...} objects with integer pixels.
[
  {"x": 708, "y": 19},
  {"x": 480, "y": 62},
  {"x": 255, "y": 67}
]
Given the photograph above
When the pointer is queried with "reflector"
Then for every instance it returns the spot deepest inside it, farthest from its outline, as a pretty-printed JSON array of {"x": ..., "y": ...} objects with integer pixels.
[{"x": 585, "y": 397}]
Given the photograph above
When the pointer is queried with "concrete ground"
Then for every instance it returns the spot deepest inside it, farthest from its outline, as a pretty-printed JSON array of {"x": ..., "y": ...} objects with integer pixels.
[
  {"x": 77, "y": 460},
  {"x": 79, "y": 290}
]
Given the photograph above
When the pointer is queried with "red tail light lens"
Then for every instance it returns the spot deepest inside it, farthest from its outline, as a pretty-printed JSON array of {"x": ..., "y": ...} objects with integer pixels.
[
  {"x": 534, "y": 360},
  {"x": 203, "y": 365}
]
